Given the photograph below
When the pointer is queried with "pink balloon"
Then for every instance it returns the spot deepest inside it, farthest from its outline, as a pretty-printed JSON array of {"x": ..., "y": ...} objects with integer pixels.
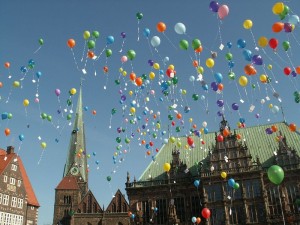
[
  {"x": 223, "y": 11},
  {"x": 36, "y": 100},
  {"x": 57, "y": 92},
  {"x": 124, "y": 58}
]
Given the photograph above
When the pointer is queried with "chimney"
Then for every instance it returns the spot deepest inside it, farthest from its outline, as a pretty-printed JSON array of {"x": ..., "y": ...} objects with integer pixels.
[{"x": 10, "y": 149}]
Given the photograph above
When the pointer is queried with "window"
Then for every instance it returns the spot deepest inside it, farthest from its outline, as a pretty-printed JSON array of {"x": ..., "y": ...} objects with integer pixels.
[
  {"x": 162, "y": 214},
  {"x": 217, "y": 215},
  {"x": 252, "y": 213},
  {"x": 13, "y": 202},
  {"x": 1, "y": 200},
  {"x": 214, "y": 192},
  {"x": 5, "y": 199},
  {"x": 12, "y": 181},
  {"x": 146, "y": 211},
  {"x": 14, "y": 167},
  {"x": 67, "y": 199},
  {"x": 5, "y": 179},
  {"x": 180, "y": 208},
  {"x": 19, "y": 183},
  {"x": 20, "y": 203}
]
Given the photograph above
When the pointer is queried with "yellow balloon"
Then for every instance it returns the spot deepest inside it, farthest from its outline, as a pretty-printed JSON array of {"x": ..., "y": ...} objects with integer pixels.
[
  {"x": 263, "y": 78},
  {"x": 186, "y": 146},
  {"x": 210, "y": 63},
  {"x": 26, "y": 102},
  {"x": 171, "y": 67},
  {"x": 130, "y": 93},
  {"x": 124, "y": 73},
  {"x": 223, "y": 175},
  {"x": 86, "y": 35},
  {"x": 262, "y": 41},
  {"x": 158, "y": 125},
  {"x": 243, "y": 81},
  {"x": 16, "y": 84},
  {"x": 278, "y": 8},
  {"x": 156, "y": 66},
  {"x": 73, "y": 91},
  {"x": 248, "y": 24},
  {"x": 167, "y": 167},
  {"x": 121, "y": 70},
  {"x": 190, "y": 120},
  {"x": 147, "y": 99},
  {"x": 271, "y": 106},
  {"x": 200, "y": 69},
  {"x": 172, "y": 139},
  {"x": 151, "y": 75},
  {"x": 184, "y": 92},
  {"x": 270, "y": 67},
  {"x": 43, "y": 145},
  {"x": 132, "y": 110},
  {"x": 178, "y": 144}
]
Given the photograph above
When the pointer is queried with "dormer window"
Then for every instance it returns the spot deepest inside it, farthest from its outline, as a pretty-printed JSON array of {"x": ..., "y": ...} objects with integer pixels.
[{"x": 14, "y": 167}]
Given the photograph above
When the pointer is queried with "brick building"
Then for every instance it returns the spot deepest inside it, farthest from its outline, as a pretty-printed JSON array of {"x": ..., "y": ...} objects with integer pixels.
[{"x": 18, "y": 203}]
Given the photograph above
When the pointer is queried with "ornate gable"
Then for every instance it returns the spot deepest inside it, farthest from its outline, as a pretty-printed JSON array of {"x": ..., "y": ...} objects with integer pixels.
[
  {"x": 118, "y": 203},
  {"x": 89, "y": 204}
]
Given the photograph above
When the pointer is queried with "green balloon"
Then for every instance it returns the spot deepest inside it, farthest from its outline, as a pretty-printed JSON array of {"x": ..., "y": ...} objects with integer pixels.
[
  {"x": 44, "y": 116},
  {"x": 276, "y": 174},
  {"x": 296, "y": 93},
  {"x": 49, "y": 118},
  {"x": 113, "y": 111},
  {"x": 144, "y": 77},
  {"x": 286, "y": 45},
  {"x": 175, "y": 80},
  {"x": 170, "y": 117},
  {"x": 253, "y": 86},
  {"x": 154, "y": 135},
  {"x": 95, "y": 34},
  {"x": 118, "y": 140},
  {"x": 131, "y": 54},
  {"x": 127, "y": 140},
  {"x": 139, "y": 15},
  {"x": 281, "y": 16},
  {"x": 9, "y": 116},
  {"x": 229, "y": 56},
  {"x": 69, "y": 116},
  {"x": 195, "y": 97},
  {"x": 297, "y": 99},
  {"x": 196, "y": 43},
  {"x": 41, "y": 41},
  {"x": 91, "y": 44},
  {"x": 108, "y": 52},
  {"x": 236, "y": 186},
  {"x": 231, "y": 76},
  {"x": 184, "y": 44},
  {"x": 69, "y": 102},
  {"x": 117, "y": 82},
  {"x": 108, "y": 178},
  {"x": 177, "y": 129},
  {"x": 286, "y": 10}
]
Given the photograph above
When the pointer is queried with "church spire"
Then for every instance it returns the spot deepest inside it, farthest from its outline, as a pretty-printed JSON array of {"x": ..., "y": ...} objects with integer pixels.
[{"x": 76, "y": 164}]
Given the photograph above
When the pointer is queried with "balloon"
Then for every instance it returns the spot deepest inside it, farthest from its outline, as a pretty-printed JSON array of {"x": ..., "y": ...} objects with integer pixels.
[
  {"x": 276, "y": 174},
  {"x": 86, "y": 35},
  {"x": 288, "y": 27},
  {"x": 69, "y": 117},
  {"x": 161, "y": 27},
  {"x": 286, "y": 45},
  {"x": 139, "y": 15},
  {"x": 205, "y": 213},
  {"x": 273, "y": 43},
  {"x": 263, "y": 78},
  {"x": 278, "y": 8},
  {"x": 257, "y": 60},
  {"x": 16, "y": 84},
  {"x": 110, "y": 40},
  {"x": 95, "y": 34},
  {"x": 198, "y": 220},
  {"x": 43, "y": 145},
  {"x": 262, "y": 42},
  {"x": 194, "y": 219},
  {"x": 21, "y": 137},
  {"x": 228, "y": 56},
  {"x": 131, "y": 54},
  {"x": 214, "y": 6},
  {"x": 7, "y": 65},
  {"x": 197, "y": 183},
  {"x": 249, "y": 70},
  {"x": 184, "y": 44},
  {"x": 218, "y": 77},
  {"x": 210, "y": 63},
  {"x": 235, "y": 106},
  {"x": 123, "y": 34},
  {"x": 292, "y": 127},
  {"x": 124, "y": 59},
  {"x": 247, "y": 54},
  {"x": 155, "y": 41},
  {"x": 180, "y": 28},
  {"x": 220, "y": 103},
  {"x": 196, "y": 43},
  {"x": 71, "y": 43},
  {"x": 23, "y": 69},
  {"x": 294, "y": 19},
  {"x": 223, "y": 11},
  {"x": 287, "y": 70},
  {"x": 231, "y": 182},
  {"x": 247, "y": 24},
  {"x": 231, "y": 75},
  {"x": 91, "y": 44},
  {"x": 72, "y": 91},
  {"x": 139, "y": 81},
  {"x": 7, "y": 131},
  {"x": 241, "y": 43},
  {"x": 167, "y": 167},
  {"x": 223, "y": 175},
  {"x": 146, "y": 32},
  {"x": 108, "y": 178},
  {"x": 108, "y": 52},
  {"x": 277, "y": 27},
  {"x": 243, "y": 81},
  {"x": 236, "y": 186},
  {"x": 26, "y": 102},
  {"x": 41, "y": 41},
  {"x": 38, "y": 74}
]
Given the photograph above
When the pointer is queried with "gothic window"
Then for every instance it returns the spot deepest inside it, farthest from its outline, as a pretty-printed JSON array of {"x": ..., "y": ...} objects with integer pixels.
[
  {"x": 252, "y": 188},
  {"x": 217, "y": 215},
  {"x": 274, "y": 202},
  {"x": 195, "y": 205},
  {"x": 67, "y": 199},
  {"x": 84, "y": 207},
  {"x": 113, "y": 208},
  {"x": 94, "y": 207},
  {"x": 161, "y": 205},
  {"x": 291, "y": 190},
  {"x": 124, "y": 207},
  {"x": 252, "y": 214},
  {"x": 89, "y": 210},
  {"x": 180, "y": 208},
  {"x": 146, "y": 211},
  {"x": 236, "y": 215},
  {"x": 214, "y": 192},
  {"x": 119, "y": 203}
]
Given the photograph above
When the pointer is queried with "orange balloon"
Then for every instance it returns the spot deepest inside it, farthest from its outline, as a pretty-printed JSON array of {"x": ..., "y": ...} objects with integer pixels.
[
  {"x": 1, "y": 85},
  {"x": 139, "y": 81},
  {"x": 298, "y": 69},
  {"x": 143, "y": 142},
  {"x": 194, "y": 126},
  {"x": 161, "y": 27},
  {"x": 91, "y": 54},
  {"x": 292, "y": 127},
  {"x": 71, "y": 43},
  {"x": 220, "y": 87},
  {"x": 249, "y": 70},
  {"x": 132, "y": 76},
  {"x": 178, "y": 116},
  {"x": 195, "y": 63},
  {"x": 274, "y": 128},
  {"x": 94, "y": 112},
  {"x": 238, "y": 136},
  {"x": 198, "y": 220},
  {"x": 277, "y": 27},
  {"x": 148, "y": 153},
  {"x": 226, "y": 132},
  {"x": 7, "y": 65},
  {"x": 198, "y": 50},
  {"x": 7, "y": 131}
]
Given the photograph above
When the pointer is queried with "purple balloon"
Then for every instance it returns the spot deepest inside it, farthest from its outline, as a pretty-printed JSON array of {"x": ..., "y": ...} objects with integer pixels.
[
  {"x": 269, "y": 131},
  {"x": 257, "y": 115},
  {"x": 214, "y": 6},
  {"x": 214, "y": 86},
  {"x": 220, "y": 103},
  {"x": 123, "y": 35},
  {"x": 294, "y": 74},
  {"x": 235, "y": 106},
  {"x": 123, "y": 98},
  {"x": 219, "y": 113},
  {"x": 57, "y": 92},
  {"x": 288, "y": 27},
  {"x": 119, "y": 129},
  {"x": 150, "y": 62},
  {"x": 257, "y": 60}
]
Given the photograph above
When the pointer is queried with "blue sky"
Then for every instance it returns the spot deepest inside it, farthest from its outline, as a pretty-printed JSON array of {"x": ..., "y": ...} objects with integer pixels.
[{"x": 23, "y": 23}]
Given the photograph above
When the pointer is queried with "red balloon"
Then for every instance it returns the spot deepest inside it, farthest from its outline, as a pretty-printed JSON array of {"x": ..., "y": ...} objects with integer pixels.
[
  {"x": 170, "y": 73},
  {"x": 287, "y": 71},
  {"x": 190, "y": 141},
  {"x": 220, "y": 138},
  {"x": 7, "y": 65},
  {"x": 273, "y": 42},
  {"x": 205, "y": 213}
]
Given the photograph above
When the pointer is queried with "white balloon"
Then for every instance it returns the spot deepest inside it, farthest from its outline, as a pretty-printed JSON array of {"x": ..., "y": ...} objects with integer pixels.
[
  {"x": 155, "y": 41},
  {"x": 180, "y": 28},
  {"x": 192, "y": 78},
  {"x": 204, "y": 124},
  {"x": 166, "y": 59}
]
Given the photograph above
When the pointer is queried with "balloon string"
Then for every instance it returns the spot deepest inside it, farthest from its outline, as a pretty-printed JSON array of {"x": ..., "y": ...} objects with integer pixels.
[
  {"x": 19, "y": 148},
  {"x": 150, "y": 46},
  {"x": 107, "y": 75},
  {"x": 41, "y": 157},
  {"x": 159, "y": 55},
  {"x": 122, "y": 46},
  {"x": 26, "y": 116},
  {"x": 138, "y": 30},
  {"x": 101, "y": 53},
  {"x": 276, "y": 53},
  {"x": 74, "y": 59},
  {"x": 110, "y": 122},
  {"x": 95, "y": 72},
  {"x": 219, "y": 31},
  {"x": 131, "y": 66},
  {"x": 37, "y": 50},
  {"x": 256, "y": 48},
  {"x": 241, "y": 100},
  {"x": 9, "y": 94},
  {"x": 60, "y": 109},
  {"x": 86, "y": 58},
  {"x": 290, "y": 60},
  {"x": 37, "y": 88},
  {"x": 169, "y": 40},
  {"x": 295, "y": 39},
  {"x": 83, "y": 51}
]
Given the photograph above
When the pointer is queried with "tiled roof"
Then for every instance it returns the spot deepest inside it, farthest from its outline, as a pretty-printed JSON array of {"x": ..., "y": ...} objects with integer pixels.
[
  {"x": 259, "y": 144},
  {"x": 31, "y": 198},
  {"x": 68, "y": 183}
]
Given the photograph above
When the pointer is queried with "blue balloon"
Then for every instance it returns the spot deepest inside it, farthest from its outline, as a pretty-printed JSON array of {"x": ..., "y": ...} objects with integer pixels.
[
  {"x": 230, "y": 64},
  {"x": 205, "y": 87},
  {"x": 229, "y": 44},
  {"x": 241, "y": 43},
  {"x": 231, "y": 182},
  {"x": 86, "y": 108},
  {"x": 146, "y": 32},
  {"x": 205, "y": 130},
  {"x": 247, "y": 55},
  {"x": 242, "y": 120},
  {"x": 23, "y": 69},
  {"x": 164, "y": 86},
  {"x": 218, "y": 77},
  {"x": 97, "y": 162},
  {"x": 21, "y": 137},
  {"x": 38, "y": 74},
  {"x": 110, "y": 40},
  {"x": 197, "y": 183},
  {"x": 4, "y": 115}
]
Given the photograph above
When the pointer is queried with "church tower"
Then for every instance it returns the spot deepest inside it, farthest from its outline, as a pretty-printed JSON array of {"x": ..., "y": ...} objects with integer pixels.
[{"x": 74, "y": 184}]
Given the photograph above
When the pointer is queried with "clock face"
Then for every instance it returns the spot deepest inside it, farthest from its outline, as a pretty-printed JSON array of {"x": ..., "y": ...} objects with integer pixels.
[{"x": 74, "y": 171}]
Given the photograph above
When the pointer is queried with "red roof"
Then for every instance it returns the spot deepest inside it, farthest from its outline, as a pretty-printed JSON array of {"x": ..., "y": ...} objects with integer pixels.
[
  {"x": 31, "y": 198},
  {"x": 68, "y": 183}
]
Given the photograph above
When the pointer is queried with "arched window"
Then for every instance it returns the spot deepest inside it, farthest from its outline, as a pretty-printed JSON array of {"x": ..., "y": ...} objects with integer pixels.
[
  {"x": 113, "y": 207},
  {"x": 84, "y": 207},
  {"x": 124, "y": 207},
  {"x": 89, "y": 204},
  {"x": 119, "y": 203},
  {"x": 95, "y": 207}
]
